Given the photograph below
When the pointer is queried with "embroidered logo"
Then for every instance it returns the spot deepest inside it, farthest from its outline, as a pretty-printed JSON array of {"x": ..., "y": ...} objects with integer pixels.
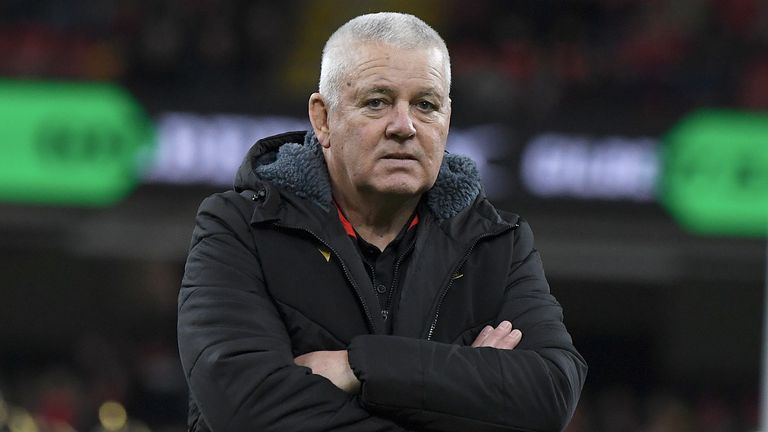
[{"x": 326, "y": 254}]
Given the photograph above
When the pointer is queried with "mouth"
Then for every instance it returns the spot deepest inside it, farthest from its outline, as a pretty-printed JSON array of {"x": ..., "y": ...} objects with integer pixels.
[{"x": 399, "y": 156}]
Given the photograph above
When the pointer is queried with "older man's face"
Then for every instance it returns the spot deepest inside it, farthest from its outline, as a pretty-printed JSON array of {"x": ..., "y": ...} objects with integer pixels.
[{"x": 388, "y": 134}]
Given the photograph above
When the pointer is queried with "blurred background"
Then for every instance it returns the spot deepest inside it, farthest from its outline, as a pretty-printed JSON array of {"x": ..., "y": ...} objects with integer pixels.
[{"x": 564, "y": 104}]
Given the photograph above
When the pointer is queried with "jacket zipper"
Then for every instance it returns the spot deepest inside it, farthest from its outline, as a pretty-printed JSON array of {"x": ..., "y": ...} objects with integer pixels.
[
  {"x": 372, "y": 269},
  {"x": 390, "y": 295},
  {"x": 343, "y": 267},
  {"x": 456, "y": 269}
]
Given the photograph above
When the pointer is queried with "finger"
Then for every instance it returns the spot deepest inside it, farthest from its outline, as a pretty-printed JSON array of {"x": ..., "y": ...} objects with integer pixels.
[
  {"x": 482, "y": 336},
  {"x": 302, "y": 360},
  {"x": 510, "y": 341},
  {"x": 497, "y": 334}
]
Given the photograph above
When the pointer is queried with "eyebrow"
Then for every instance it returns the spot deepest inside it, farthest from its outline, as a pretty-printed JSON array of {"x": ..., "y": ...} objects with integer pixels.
[
  {"x": 430, "y": 92},
  {"x": 391, "y": 92},
  {"x": 384, "y": 90}
]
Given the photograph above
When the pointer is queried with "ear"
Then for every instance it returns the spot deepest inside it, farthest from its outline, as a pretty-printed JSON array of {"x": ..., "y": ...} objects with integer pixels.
[{"x": 318, "y": 116}]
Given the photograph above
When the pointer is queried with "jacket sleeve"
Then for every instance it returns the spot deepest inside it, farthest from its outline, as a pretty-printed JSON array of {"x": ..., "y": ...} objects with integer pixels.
[
  {"x": 235, "y": 350},
  {"x": 445, "y": 387}
]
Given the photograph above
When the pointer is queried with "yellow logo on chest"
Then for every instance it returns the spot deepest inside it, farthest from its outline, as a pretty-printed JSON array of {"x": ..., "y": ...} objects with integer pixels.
[{"x": 326, "y": 253}]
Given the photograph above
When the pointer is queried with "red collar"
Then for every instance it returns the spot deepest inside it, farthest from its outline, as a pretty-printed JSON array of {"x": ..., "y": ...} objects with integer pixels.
[{"x": 351, "y": 230}]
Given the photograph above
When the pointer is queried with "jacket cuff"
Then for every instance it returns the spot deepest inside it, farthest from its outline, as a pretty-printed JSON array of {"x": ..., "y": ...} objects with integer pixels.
[{"x": 389, "y": 370}]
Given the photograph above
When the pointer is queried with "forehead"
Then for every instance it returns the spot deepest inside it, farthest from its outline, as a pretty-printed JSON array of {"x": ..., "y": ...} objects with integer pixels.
[{"x": 377, "y": 64}]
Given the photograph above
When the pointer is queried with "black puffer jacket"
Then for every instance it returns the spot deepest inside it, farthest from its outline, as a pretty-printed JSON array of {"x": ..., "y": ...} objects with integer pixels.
[{"x": 271, "y": 275}]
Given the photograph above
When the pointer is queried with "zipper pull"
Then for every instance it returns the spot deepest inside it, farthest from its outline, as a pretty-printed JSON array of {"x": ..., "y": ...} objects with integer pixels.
[
  {"x": 385, "y": 314},
  {"x": 259, "y": 195}
]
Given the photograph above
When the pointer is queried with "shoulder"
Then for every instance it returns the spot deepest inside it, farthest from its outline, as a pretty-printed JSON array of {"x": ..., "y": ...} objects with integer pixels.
[
  {"x": 227, "y": 212},
  {"x": 485, "y": 210},
  {"x": 519, "y": 229},
  {"x": 232, "y": 205}
]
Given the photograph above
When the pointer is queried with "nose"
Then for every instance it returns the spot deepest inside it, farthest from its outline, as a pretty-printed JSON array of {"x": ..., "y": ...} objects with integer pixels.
[{"x": 400, "y": 124}]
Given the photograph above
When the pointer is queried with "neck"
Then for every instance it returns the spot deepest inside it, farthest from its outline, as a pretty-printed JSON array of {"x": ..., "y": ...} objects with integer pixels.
[{"x": 378, "y": 221}]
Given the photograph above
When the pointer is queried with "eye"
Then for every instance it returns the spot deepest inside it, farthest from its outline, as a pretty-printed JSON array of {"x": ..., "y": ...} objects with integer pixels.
[
  {"x": 374, "y": 104},
  {"x": 426, "y": 106}
]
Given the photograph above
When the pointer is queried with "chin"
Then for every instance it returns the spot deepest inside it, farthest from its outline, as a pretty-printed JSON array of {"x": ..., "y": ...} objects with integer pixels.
[
  {"x": 400, "y": 184},
  {"x": 403, "y": 190}
]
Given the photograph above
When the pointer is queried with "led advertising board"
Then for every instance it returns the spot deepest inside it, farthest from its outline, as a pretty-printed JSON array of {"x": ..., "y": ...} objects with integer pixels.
[
  {"x": 207, "y": 149},
  {"x": 69, "y": 143},
  {"x": 715, "y": 172}
]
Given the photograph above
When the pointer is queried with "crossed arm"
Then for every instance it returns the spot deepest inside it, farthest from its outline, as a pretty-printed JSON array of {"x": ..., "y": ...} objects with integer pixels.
[
  {"x": 238, "y": 359},
  {"x": 334, "y": 365}
]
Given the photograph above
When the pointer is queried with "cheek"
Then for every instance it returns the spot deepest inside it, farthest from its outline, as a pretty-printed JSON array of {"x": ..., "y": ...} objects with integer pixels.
[
  {"x": 363, "y": 140},
  {"x": 435, "y": 146},
  {"x": 345, "y": 137},
  {"x": 356, "y": 157},
  {"x": 435, "y": 151},
  {"x": 435, "y": 167}
]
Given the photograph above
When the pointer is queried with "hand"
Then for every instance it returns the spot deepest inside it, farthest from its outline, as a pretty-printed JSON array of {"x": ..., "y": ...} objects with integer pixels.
[
  {"x": 501, "y": 337},
  {"x": 333, "y": 365}
]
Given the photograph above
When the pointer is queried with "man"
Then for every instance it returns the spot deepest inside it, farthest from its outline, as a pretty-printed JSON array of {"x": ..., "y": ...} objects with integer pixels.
[{"x": 358, "y": 280}]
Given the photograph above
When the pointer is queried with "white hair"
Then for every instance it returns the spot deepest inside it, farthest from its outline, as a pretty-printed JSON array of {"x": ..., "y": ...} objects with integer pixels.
[{"x": 396, "y": 29}]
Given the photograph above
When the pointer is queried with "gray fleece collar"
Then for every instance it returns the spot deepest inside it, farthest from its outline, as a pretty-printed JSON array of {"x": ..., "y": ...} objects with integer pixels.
[{"x": 301, "y": 169}]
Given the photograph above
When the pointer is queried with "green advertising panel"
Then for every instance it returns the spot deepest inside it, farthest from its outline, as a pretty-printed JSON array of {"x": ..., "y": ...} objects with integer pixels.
[
  {"x": 69, "y": 143},
  {"x": 715, "y": 172}
]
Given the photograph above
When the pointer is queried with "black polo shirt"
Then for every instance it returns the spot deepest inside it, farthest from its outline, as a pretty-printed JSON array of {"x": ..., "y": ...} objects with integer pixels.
[{"x": 385, "y": 267}]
